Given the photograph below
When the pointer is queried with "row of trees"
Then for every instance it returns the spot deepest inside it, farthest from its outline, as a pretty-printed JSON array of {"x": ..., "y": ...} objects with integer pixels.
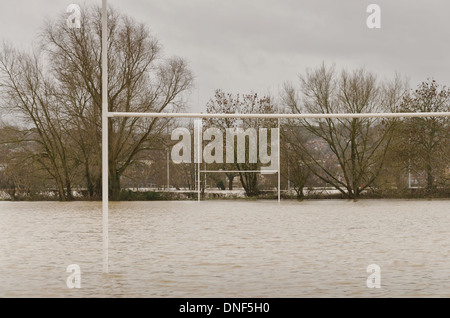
[
  {"x": 357, "y": 151},
  {"x": 54, "y": 96},
  {"x": 56, "y": 92},
  {"x": 352, "y": 155}
]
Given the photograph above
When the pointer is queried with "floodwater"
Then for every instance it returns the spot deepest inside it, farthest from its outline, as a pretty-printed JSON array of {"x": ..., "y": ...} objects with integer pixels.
[{"x": 227, "y": 249}]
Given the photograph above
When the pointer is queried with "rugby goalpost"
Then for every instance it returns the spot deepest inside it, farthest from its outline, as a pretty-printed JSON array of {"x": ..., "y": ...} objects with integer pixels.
[{"x": 106, "y": 114}]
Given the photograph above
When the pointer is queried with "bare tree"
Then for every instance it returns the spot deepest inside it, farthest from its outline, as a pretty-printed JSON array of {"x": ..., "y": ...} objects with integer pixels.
[
  {"x": 140, "y": 80},
  {"x": 292, "y": 167},
  {"x": 30, "y": 92},
  {"x": 424, "y": 142},
  {"x": 57, "y": 91},
  {"x": 246, "y": 104},
  {"x": 357, "y": 145}
]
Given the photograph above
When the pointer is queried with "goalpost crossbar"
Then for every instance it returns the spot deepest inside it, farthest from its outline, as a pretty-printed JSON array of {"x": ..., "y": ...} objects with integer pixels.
[{"x": 279, "y": 116}]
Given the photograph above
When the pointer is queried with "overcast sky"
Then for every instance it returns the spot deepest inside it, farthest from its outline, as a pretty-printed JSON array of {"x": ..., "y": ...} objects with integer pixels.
[{"x": 257, "y": 45}]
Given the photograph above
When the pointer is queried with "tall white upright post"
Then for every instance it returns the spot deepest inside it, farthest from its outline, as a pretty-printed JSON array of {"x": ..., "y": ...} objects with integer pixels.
[
  {"x": 279, "y": 163},
  {"x": 105, "y": 196},
  {"x": 199, "y": 147},
  {"x": 168, "y": 170}
]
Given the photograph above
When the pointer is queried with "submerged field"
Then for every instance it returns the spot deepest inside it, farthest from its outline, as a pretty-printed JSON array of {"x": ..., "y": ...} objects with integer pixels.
[{"x": 227, "y": 248}]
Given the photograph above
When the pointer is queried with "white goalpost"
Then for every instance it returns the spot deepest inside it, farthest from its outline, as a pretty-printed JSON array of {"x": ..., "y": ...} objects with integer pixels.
[
  {"x": 105, "y": 136},
  {"x": 106, "y": 115}
]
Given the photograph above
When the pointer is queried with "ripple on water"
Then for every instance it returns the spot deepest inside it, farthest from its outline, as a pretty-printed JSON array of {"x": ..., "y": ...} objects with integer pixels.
[{"x": 227, "y": 249}]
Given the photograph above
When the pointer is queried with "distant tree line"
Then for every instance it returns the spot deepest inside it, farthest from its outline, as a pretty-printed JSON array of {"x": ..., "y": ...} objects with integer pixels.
[{"x": 50, "y": 143}]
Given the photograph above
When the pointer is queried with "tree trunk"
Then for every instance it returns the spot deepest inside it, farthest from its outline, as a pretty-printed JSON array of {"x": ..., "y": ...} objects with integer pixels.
[
  {"x": 61, "y": 193},
  {"x": 355, "y": 194},
  {"x": 250, "y": 183},
  {"x": 89, "y": 184},
  {"x": 300, "y": 194},
  {"x": 69, "y": 195},
  {"x": 430, "y": 178},
  {"x": 230, "y": 181},
  {"x": 114, "y": 187},
  {"x": 13, "y": 192}
]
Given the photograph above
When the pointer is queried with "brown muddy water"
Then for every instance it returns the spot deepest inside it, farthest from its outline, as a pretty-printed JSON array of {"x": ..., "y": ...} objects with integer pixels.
[{"x": 227, "y": 248}]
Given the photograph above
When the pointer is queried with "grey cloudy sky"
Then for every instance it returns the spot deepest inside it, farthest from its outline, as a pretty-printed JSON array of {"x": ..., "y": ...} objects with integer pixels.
[{"x": 256, "y": 45}]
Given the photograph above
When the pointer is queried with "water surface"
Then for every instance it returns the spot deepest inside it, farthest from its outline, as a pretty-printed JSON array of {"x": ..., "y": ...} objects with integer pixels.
[{"x": 227, "y": 248}]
